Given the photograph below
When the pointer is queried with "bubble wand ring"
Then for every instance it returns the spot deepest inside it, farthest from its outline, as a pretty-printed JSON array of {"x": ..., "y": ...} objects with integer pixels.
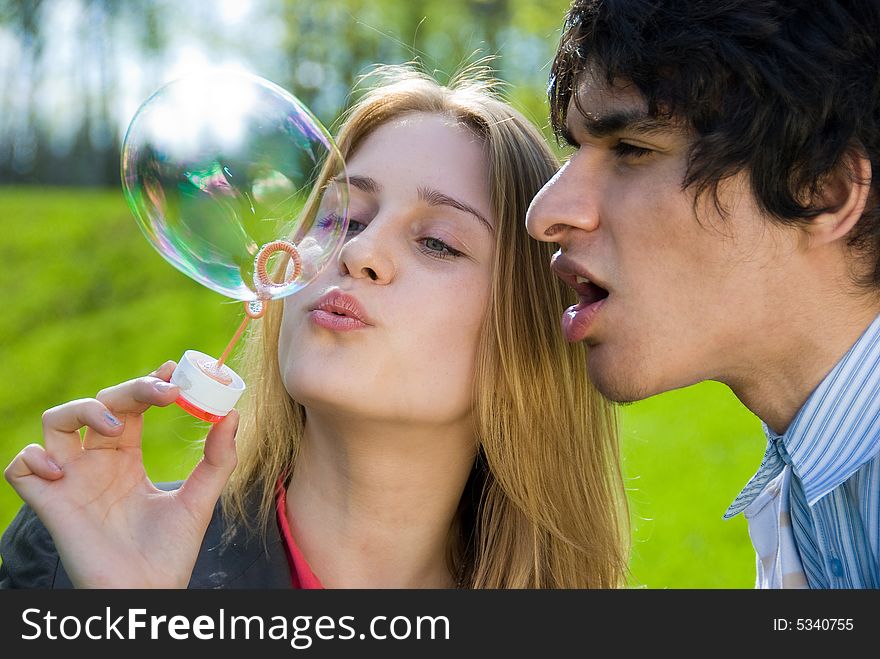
[{"x": 264, "y": 284}]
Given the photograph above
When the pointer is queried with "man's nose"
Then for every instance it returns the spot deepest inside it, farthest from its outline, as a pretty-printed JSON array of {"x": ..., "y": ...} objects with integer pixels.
[{"x": 568, "y": 202}]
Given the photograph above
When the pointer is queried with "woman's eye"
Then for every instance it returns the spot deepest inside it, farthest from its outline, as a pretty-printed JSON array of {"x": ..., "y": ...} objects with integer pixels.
[
  {"x": 331, "y": 220},
  {"x": 437, "y": 248},
  {"x": 355, "y": 227},
  {"x": 627, "y": 150}
]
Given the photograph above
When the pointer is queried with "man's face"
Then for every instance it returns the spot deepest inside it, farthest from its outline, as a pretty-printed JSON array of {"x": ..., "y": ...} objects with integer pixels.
[{"x": 677, "y": 292}]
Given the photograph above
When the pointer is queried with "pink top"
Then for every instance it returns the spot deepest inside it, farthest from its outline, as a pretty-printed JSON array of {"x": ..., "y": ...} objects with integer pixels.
[{"x": 301, "y": 575}]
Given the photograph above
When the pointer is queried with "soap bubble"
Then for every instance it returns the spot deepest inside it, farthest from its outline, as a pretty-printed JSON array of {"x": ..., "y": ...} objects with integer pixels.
[{"x": 236, "y": 184}]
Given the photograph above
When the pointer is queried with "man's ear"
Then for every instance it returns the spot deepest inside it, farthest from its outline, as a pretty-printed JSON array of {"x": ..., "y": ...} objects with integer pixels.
[{"x": 846, "y": 192}]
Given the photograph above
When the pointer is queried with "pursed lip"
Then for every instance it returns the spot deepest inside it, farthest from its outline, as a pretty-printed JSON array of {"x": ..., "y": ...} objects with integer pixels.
[{"x": 339, "y": 303}]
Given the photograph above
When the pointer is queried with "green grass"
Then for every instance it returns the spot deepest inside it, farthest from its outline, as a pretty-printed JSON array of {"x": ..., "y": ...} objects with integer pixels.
[
  {"x": 687, "y": 454},
  {"x": 89, "y": 303}
]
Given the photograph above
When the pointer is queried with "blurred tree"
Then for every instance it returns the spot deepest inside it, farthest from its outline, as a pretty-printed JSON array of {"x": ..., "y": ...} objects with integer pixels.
[
  {"x": 20, "y": 151},
  {"x": 72, "y": 72}
]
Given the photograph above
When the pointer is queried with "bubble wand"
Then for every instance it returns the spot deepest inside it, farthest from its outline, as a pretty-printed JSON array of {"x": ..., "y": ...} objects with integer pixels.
[
  {"x": 209, "y": 389},
  {"x": 214, "y": 165}
]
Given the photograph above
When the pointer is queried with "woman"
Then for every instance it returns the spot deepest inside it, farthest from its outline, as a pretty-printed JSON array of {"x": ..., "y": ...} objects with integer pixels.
[{"x": 414, "y": 419}]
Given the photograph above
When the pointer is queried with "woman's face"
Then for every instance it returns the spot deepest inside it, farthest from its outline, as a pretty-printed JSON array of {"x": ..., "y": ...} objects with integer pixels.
[{"x": 391, "y": 332}]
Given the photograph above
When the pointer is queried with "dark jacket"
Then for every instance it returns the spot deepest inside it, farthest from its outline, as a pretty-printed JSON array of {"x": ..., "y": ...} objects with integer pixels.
[{"x": 30, "y": 559}]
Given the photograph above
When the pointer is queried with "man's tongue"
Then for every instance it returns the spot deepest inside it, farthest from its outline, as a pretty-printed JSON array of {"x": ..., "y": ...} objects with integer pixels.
[{"x": 577, "y": 318}]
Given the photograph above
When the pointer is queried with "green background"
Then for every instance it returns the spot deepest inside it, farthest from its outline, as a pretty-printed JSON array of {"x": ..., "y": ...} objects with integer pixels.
[{"x": 88, "y": 303}]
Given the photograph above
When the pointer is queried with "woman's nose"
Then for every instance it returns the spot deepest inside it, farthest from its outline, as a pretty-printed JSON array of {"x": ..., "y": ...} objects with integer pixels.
[{"x": 368, "y": 255}]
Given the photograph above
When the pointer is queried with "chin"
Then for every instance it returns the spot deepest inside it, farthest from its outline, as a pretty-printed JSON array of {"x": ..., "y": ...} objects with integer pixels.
[
  {"x": 621, "y": 380},
  {"x": 629, "y": 376},
  {"x": 311, "y": 387}
]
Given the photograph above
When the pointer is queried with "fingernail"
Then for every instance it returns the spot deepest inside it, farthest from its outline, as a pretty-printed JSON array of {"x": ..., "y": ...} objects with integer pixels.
[
  {"x": 112, "y": 420},
  {"x": 54, "y": 466},
  {"x": 163, "y": 387}
]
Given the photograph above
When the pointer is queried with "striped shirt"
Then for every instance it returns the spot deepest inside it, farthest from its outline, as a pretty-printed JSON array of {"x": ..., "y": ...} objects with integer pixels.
[{"x": 834, "y": 448}]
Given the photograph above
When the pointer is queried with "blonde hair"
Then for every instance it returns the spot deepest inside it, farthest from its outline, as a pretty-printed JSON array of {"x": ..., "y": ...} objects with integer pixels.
[{"x": 544, "y": 506}]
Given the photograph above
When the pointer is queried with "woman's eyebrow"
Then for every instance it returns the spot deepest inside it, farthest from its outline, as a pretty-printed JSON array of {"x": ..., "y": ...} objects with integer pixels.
[
  {"x": 429, "y": 195},
  {"x": 437, "y": 198},
  {"x": 364, "y": 183}
]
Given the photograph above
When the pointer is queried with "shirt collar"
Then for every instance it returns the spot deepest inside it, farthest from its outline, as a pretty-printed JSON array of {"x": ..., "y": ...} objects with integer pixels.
[{"x": 838, "y": 428}]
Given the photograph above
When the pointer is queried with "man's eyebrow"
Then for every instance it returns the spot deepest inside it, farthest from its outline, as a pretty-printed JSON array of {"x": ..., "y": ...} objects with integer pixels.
[
  {"x": 437, "y": 198},
  {"x": 632, "y": 120}
]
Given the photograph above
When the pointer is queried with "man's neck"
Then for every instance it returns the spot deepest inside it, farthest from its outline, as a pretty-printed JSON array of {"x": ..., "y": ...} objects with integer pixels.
[{"x": 780, "y": 380}]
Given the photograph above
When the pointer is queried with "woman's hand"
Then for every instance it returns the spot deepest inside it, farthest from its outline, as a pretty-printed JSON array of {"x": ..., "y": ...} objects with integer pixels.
[{"x": 113, "y": 528}]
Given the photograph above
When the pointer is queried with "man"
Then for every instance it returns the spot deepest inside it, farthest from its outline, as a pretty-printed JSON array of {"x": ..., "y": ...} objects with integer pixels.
[{"x": 719, "y": 220}]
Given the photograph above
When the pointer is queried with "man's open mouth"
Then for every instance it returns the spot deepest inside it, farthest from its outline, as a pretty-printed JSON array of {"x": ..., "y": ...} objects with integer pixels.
[{"x": 588, "y": 292}]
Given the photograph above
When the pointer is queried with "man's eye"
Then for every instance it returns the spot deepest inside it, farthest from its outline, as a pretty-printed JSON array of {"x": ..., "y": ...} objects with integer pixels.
[{"x": 627, "y": 150}]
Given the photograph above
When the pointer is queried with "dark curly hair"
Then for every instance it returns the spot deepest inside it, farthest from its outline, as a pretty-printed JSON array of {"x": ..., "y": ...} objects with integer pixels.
[{"x": 783, "y": 90}]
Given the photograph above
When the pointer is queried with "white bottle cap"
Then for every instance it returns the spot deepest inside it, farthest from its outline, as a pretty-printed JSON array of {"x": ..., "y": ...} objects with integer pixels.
[{"x": 204, "y": 396}]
